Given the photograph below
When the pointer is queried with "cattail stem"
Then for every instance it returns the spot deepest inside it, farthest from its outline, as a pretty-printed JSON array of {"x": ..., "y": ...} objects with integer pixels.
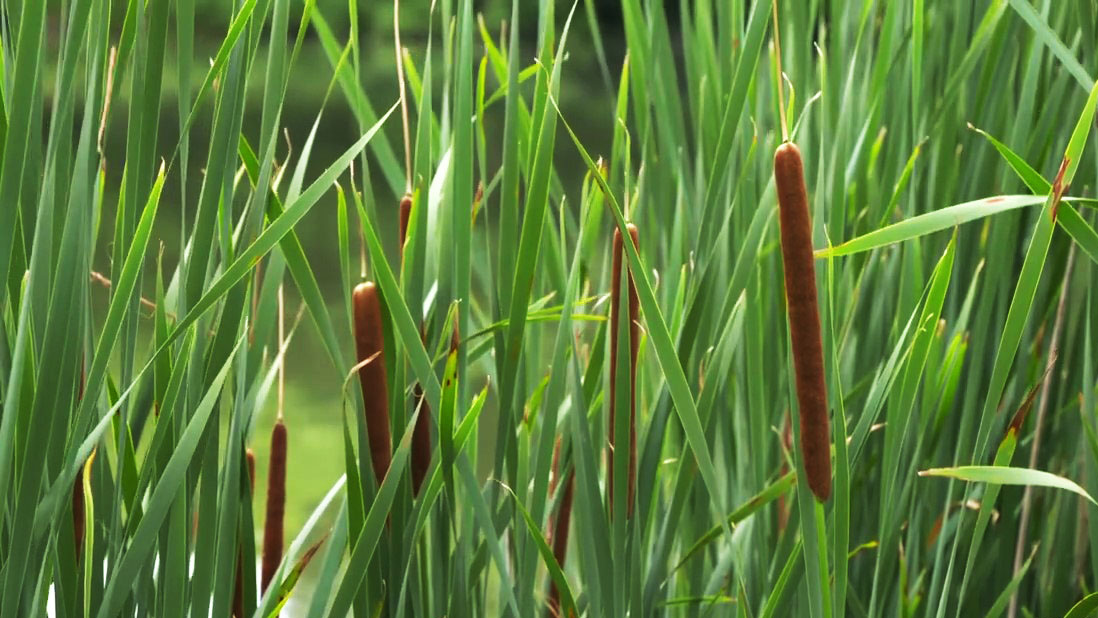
[
  {"x": 778, "y": 57},
  {"x": 372, "y": 376},
  {"x": 804, "y": 318},
  {"x": 276, "y": 505},
  {"x": 634, "y": 340}
]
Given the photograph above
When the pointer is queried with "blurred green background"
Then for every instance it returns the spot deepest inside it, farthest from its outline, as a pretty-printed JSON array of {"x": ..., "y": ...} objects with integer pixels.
[{"x": 313, "y": 403}]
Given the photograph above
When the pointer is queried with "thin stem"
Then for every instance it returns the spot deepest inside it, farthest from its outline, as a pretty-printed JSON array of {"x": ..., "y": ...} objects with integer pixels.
[
  {"x": 107, "y": 99},
  {"x": 281, "y": 343},
  {"x": 1027, "y": 496},
  {"x": 403, "y": 98},
  {"x": 778, "y": 57}
]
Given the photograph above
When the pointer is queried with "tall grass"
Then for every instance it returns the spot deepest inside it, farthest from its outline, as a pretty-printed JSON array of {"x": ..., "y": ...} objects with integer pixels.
[{"x": 946, "y": 162}]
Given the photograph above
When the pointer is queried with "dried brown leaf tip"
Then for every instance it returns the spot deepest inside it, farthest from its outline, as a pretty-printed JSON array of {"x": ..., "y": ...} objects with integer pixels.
[
  {"x": 1027, "y": 403},
  {"x": 455, "y": 336},
  {"x": 634, "y": 340},
  {"x": 372, "y": 376},
  {"x": 405, "y": 217},
  {"x": 804, "y": 318},
  {"x": 1058, "y": 187},
  {"x": 478, "y": 197}
]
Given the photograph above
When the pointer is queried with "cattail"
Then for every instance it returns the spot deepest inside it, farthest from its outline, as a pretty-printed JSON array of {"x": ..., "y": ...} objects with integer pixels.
[
  {"x": 804, "y": 317},
  {"x": 421, "y": 436},
  {"x": 405, "y": 216},
  {"x": 375, "y": 390},
  {"x": 634, "y": 340},
  {"x": 421, "y": 440},
  {"x": 238, "y": 593},
  {"x": 560, "y": 539},
  {"x": 276, "y": 505}
]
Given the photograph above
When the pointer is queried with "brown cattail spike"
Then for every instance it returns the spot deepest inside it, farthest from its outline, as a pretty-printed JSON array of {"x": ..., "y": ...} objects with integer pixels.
[
  {"x": 421, "y": 440},
  {"x": 238, "y": 586},
  {"x": 405, "y": 216},
  {"x": 276, "y": 505},
  {"x": 804, "y": 318},
  {"x": 375, "y": 389},
  {"x": 634, "y": 340},
  {"x": 238, "y": 593},
  {"x": 560, "y": 539}
]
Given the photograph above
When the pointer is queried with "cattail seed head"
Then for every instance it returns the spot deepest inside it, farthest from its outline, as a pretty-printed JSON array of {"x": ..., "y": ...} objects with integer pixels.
[
  {"x": 238, "y": 588},
  {"x": 560, "y": 538},
  {"x": 634, "y": 341},
  {"x": 372, "y": 376},
  {"x": 804, "y": 317},
  {"x": 276, "y": 505},
  {"x": 455, "y": 336},
  {"x": 421, "y": 441}
]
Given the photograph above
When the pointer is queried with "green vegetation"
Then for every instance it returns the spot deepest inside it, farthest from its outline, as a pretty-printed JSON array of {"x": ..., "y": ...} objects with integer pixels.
[{"x": 154, "y": 214}]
